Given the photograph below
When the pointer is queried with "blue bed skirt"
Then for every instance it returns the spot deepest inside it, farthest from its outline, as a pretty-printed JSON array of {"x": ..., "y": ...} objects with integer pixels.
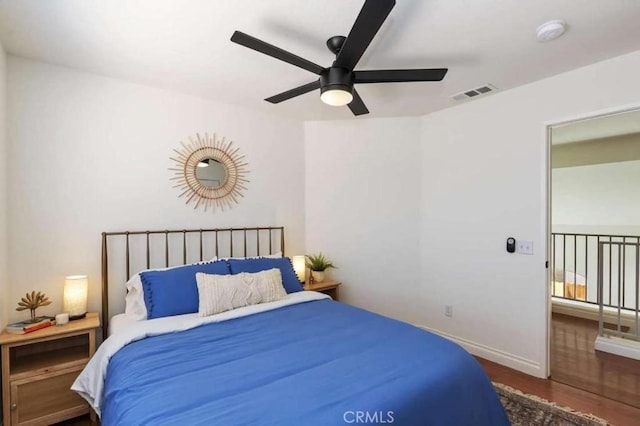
[{"x": 315, "y": 363}]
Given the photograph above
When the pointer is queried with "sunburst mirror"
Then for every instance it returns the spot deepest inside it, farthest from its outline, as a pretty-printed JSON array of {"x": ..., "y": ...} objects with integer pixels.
[{"x": 210, "y": 172}]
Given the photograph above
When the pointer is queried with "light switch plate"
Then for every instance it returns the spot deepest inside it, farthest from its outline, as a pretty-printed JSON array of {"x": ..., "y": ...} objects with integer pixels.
[{"x": 524, "y": 247}]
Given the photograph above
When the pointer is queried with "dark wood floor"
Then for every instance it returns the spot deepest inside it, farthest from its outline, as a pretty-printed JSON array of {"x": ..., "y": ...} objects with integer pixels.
[
  {"x": 616, "y": 413},
  {"x": 575, "y": 362}
]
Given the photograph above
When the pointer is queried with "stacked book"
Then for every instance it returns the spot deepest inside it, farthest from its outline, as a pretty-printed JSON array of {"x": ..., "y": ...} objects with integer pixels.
[{"x": 30, "y": 326}]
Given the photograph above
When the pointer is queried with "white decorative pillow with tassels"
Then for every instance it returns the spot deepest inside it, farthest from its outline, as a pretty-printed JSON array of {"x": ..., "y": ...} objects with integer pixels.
[{"x": 220, "y": 293}]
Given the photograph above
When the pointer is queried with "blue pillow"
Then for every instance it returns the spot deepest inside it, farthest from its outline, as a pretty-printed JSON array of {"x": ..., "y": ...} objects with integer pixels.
[
  {"x": 175, "y": 291},
  {"x": 289, "y": 278}
]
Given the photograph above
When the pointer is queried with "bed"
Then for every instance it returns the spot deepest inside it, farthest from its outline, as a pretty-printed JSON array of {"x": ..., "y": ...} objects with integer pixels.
[{"x": 302, "y": 359}]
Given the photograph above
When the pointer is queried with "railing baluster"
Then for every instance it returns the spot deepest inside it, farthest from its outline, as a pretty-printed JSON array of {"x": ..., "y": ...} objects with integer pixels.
[
  {"x": 600, "y": 289},
  {"x": 637, "y": 307},
  {"x": 586, "y": 268},
  {"x": 620, "y": 272},
  {"x": 575, "y": 267},
  {"x": 599, "y": 264},
  {"x": 564, "y": 264},
  {"x": 624, "y": 255},
  {"x": 610, "y": 268}
]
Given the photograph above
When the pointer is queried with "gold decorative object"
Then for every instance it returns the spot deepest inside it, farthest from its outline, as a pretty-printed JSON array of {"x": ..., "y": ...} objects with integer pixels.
[
  {"x": 210, "y": 172},
  {"x": 32, "y": 302}
]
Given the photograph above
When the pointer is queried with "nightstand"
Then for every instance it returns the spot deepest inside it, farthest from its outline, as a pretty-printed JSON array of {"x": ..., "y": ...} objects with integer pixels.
[
  {"x": 327, "y": 287},
  {"x": 38, "y": 369}
]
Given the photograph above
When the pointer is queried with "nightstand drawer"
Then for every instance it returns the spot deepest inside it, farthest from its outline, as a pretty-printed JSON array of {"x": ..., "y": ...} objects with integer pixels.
[{"x": 46, "y": 398}]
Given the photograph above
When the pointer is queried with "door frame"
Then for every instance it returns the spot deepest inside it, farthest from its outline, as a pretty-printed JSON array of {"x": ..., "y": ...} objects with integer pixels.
[{"x": 548, "y": 125}]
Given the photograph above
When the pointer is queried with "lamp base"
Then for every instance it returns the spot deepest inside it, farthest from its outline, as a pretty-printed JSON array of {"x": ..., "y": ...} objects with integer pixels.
[{"x": 77, "y": 317}]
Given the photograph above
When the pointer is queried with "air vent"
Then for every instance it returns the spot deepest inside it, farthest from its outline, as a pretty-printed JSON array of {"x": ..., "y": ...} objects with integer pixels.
[{"x": 474, "y": 93}]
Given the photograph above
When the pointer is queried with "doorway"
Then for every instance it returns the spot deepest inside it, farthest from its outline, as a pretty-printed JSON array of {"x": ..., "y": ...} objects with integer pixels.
[{"x": 594, "y": 251}]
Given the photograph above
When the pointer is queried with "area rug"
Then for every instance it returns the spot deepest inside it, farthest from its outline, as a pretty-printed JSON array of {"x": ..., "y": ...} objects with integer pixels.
[{"x": 530, "y": 410}]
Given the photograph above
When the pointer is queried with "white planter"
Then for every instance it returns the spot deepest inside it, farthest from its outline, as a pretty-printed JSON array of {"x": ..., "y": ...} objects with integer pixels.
[{"x": 318, "y": 276}]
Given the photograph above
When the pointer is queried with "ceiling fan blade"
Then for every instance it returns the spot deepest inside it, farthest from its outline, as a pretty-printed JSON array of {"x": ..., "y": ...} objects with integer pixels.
[
  {"x": 356, "y": 106},
  {"x": 275, "y": 52},
  {"x": 399, "y": 76},
  {"x": 301, "y": 90},
  {"x": 371, "y": 17}
]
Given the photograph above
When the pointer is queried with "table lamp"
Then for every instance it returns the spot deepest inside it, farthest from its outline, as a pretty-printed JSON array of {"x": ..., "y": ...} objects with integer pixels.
[
  {"x": 75, "y": 296},
  {"x": 299, "y": 265}
]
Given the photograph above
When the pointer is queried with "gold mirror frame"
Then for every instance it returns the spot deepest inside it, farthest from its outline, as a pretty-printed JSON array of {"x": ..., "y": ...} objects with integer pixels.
[{"x": 203, "y": 148}]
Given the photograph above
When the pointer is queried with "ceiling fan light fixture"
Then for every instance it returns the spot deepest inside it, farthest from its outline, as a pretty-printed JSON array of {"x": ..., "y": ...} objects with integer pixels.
[{"x": 336, "y": 96}]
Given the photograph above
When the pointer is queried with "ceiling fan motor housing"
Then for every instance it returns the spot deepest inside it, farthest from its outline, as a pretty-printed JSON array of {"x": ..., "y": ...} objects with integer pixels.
[{"x": 336, "y": 78}]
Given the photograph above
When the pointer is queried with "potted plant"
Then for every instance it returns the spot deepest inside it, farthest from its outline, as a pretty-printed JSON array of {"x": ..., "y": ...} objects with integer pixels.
[{"x": 318, "y": 263}]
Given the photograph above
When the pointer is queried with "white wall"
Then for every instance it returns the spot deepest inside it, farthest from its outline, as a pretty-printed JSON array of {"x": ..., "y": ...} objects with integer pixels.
[
  {"x": 363, "y": 209},
  {"x": 89, "y": 154},
  {"x": 492, "y": 155},
  {"x": 601, "y": 198},
  {"x": 4, "y": 243},
  {"x": 475, "y": 175}
]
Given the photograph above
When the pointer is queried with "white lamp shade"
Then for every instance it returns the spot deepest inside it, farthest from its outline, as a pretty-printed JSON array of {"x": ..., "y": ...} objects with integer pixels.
[
  {"x": 299, "y": 265},
  {"x": 75, "y": 295}
]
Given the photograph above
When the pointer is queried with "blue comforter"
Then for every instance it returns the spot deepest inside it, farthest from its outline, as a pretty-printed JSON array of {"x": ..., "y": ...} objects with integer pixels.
[{"x": 316, "y": 363}]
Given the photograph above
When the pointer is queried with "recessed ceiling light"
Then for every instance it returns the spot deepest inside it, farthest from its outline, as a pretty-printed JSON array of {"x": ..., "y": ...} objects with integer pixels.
[{"x": 551, "y": 30}]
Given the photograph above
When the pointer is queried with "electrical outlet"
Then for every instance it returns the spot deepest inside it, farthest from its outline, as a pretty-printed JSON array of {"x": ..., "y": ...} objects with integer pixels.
[{"x": 448, "y": 311}]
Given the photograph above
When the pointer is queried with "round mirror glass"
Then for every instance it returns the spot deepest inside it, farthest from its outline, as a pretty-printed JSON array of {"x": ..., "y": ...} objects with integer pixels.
[{"x": 211, "y": 173}]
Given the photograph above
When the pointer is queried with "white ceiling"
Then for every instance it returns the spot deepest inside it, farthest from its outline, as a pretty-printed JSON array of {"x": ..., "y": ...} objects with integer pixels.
[
  {"x": 184, "y": 45},
  {"x": 625, "y": 123}
]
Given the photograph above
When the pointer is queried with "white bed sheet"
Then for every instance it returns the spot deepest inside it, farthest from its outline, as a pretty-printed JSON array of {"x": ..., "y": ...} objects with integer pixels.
[{"x": 121, "y": 322}]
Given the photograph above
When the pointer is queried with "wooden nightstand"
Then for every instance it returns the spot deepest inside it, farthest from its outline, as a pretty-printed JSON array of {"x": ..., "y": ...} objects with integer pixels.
[
  {"x": 38, "y": 369},
  {"x": 327, "y": 287}
]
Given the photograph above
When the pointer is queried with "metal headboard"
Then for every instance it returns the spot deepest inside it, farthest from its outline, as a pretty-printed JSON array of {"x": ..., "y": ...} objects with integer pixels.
[{"x": 256, "y": 241}]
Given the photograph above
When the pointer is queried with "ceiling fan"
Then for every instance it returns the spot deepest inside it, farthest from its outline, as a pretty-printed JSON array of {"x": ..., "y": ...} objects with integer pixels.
[{"x": 336, "y": 82}]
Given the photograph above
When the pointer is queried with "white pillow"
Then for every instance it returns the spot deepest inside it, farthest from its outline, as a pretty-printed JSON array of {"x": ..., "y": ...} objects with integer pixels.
[
  {"x": 220, "y": 293},
  {"x": 134, "y": 306}
]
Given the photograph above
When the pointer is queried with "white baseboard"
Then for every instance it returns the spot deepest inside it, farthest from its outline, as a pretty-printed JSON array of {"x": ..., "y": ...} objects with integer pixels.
[
  {"x": 591, "y": 312},
  {"x": 617, "y": 346},
  {"x": 512, "y": 361}
]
